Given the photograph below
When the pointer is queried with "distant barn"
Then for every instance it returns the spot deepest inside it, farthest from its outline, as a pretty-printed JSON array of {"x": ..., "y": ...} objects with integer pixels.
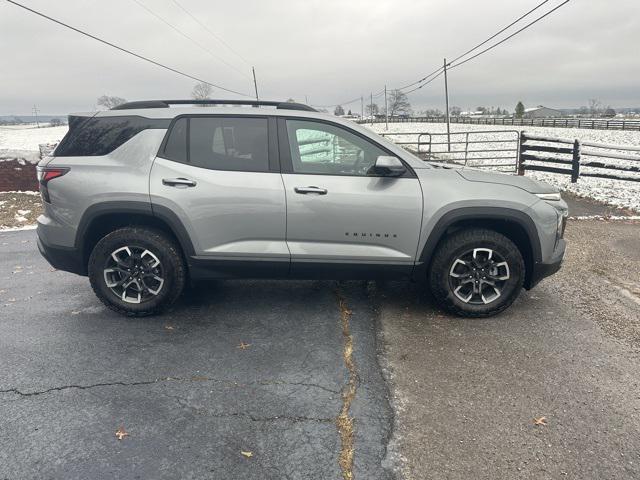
[{"x": 541, "y": 112}]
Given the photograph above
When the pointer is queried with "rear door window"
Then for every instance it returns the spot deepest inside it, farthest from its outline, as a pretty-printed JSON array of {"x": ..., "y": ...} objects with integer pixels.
[
  {"x": 228, "y": 143},
  {"x": 220, "y": 143}
]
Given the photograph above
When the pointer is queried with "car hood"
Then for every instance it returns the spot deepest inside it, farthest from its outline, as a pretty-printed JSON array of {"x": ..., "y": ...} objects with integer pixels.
[{"x": 525, "y": 183}]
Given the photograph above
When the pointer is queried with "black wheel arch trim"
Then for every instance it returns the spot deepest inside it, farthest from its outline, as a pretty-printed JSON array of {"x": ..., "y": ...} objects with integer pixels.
[
  {"x": 481, "y": 213},
  {"x": 128, "y": 207}
]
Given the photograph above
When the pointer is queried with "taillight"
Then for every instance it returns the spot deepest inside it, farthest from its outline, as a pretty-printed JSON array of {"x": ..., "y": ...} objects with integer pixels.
[{"x": 45, "y": 175}]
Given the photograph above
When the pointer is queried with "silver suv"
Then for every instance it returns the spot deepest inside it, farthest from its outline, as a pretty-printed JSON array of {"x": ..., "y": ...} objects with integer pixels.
[{"x": 144, "y": 197}]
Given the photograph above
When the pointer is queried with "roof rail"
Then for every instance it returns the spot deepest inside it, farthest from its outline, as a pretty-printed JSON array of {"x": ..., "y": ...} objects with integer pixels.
[{"x": 253, "y": 103}]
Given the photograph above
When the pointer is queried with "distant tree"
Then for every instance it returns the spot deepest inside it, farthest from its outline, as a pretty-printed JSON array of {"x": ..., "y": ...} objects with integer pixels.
[
  {"x": 201, "y": 91},
  {"x": 595, "y": 106},
  {"x": 584, "y": 110},
  {"x": 372, "y": 109},
  {"x": 349, "y": 112},
  {"x": 55, "y": 122},
  {"x": 431, "y": 112},
  {"x": 290, "y": 100},
  {"x": 109, "y": 102},
  {"x": 481, "y": 109},
  {"x": 398, "y": 103},
  {"x": 455, "y": 111},
  {"x": 609, "y": 112},
  {"x": 519, "y": 110},
  {"x": 338, "y": 110}
]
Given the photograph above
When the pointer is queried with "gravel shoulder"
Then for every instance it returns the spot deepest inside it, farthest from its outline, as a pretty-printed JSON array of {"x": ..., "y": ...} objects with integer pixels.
[{"x": 466, "y": 393}]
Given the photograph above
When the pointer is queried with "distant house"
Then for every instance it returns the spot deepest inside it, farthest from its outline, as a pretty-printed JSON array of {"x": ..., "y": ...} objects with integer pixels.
[{"x": 541, "y": 112}]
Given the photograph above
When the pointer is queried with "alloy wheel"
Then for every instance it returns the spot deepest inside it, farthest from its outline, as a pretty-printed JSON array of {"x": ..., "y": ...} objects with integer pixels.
[{"x": 478, "y": 276}]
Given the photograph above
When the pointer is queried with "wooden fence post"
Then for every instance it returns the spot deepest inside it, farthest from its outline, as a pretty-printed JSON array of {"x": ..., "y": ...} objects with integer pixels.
[
  {"x": 521, "y": 166},
  {"x": 575, "y": 163}
]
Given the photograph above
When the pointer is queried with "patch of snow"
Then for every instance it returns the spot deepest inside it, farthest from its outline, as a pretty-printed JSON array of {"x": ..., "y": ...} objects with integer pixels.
[
  {"x": 20, "y": 218},
  {"x": 24, "y": 192},
  {"x": 21, "y": 138},
  {"x": 24, "y": 212},
  {"x": 16, "y": 229}
]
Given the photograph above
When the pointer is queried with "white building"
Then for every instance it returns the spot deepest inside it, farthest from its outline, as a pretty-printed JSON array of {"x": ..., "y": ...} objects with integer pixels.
[{"x": 541, "y": 112}]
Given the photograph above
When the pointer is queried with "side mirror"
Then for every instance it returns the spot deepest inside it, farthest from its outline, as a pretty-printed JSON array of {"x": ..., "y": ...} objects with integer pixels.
[{"x": 388, "y": 166}]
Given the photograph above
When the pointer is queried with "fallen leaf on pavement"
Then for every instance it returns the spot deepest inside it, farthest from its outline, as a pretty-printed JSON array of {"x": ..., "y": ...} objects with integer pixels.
[
  {"x": 121, "y": 433},
  {"x": 540, "y": 421},
  {"x": 246, "y": 454},
  {"x": 243, "y": 346},
  {"x": 169, "y": 327}
]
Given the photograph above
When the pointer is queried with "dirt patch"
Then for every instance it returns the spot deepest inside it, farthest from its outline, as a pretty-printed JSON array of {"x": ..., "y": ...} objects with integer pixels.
[{"x": 19, "y": 209}]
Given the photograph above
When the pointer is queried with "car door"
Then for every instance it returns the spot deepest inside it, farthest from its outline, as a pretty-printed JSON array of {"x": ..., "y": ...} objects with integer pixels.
[
  {"x": 220, "y": 176},
  {"x": 343, "y": 219}
]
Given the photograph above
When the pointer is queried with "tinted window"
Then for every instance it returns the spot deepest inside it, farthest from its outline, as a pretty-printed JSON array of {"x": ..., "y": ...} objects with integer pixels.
[
  {"x": 224, "y": 143},
  {"x": 324, "y": 149},
  {"x": 176, "y": 146},
  {"x": 92, "y": 136}
]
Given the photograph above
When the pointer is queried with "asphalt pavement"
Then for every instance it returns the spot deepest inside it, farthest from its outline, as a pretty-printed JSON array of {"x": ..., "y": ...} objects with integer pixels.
[{"x": 241, "y": 379}]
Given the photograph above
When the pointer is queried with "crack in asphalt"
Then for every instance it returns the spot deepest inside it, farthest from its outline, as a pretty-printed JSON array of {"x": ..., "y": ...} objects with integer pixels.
[
  {"x": 163, "y": 379},
  {"x": 344, "y": 422}
]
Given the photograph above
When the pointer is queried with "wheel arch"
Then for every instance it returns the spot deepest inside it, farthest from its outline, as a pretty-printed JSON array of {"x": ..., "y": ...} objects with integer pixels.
[
  {"x": 103, "y": 218},
  {"x": 513, "y": 224}
]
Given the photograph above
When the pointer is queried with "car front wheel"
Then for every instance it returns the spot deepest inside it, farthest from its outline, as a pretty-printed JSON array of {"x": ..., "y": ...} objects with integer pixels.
[{"x": 476, "y": 273}]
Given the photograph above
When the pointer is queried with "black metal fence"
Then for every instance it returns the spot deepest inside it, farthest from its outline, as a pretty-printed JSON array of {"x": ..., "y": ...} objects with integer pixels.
[
  {"x": 570, "y": 157},
  {"x": 588, "y": 123}
]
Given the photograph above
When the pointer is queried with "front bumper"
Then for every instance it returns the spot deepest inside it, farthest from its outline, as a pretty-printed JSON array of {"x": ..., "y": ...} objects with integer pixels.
[
  {"x": 544, "y": 269},
  {"x": 61, "y": 258}
]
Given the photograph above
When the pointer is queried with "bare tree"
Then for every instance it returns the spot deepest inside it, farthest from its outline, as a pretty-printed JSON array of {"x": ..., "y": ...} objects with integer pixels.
[
  {"x": 398, "y": 103},
  {"x": 455, "y": 111},
  {"x": 109, "y": 102},
  {"x": 202, "y": 91},
  {"x": 55, "y": 122},
  {"x": 338, "y": 111},
  {"x": 371, "y": 109},
  {"x": 595, "y": 106}
]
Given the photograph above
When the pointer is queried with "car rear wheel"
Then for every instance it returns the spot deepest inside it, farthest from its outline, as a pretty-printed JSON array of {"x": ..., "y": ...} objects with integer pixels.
[
  {"x": 137, "y": 271},
  {"x": 476, "y": 273}
]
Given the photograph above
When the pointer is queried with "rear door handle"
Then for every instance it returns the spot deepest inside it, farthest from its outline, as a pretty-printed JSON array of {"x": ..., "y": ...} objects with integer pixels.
[
  {"x": 178, "y": 182},
  {"x": 305, "y": 190}
]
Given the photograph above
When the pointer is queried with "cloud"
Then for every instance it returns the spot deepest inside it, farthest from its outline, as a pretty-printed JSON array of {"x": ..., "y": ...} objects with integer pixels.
[{"x": 329, "y": 51}]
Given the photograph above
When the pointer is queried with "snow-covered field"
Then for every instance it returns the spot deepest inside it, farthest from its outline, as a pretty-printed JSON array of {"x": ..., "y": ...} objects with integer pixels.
[
  {"x": 27, "y": 138},
  {"x": 615, "y": 192}
]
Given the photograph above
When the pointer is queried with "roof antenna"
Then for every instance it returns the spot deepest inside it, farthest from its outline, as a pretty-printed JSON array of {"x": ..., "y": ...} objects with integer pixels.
[{"x": 255, "y": 84}]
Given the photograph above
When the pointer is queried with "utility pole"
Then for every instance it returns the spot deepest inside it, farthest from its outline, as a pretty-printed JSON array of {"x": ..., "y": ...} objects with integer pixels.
[
  {"x": 35, "y": 112},
  {"x": 306, "y": 99},
  {"x": 361, "y": 107},
  {"x": 446, "y": 96},
  {"x": 371, "y": 108},
  {"x": 255, "y": 84},
  {"x": 386, "y": 110}
]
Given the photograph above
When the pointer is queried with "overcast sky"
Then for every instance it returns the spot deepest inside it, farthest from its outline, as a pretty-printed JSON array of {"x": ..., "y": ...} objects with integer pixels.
[{"x": 327, "y": 50}]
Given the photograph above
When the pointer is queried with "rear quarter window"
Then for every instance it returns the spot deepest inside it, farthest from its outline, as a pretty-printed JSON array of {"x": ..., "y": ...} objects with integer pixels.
[{"x": 95, "y": 136}]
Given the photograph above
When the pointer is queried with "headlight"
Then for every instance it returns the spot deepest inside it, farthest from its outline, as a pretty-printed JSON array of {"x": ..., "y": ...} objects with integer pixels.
[{"x": 549, "y": 197}]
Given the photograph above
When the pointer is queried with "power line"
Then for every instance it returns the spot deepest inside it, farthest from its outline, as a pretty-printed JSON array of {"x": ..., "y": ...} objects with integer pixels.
[
  {"x": 211, "y": 32},
  {"x": 440, "y": 70},
  {"x": 141, "y": 57},
  {"x": 498, "y": 33},
  {"x": 191, "y": 39},
  {"x": 510, "y": 36}
]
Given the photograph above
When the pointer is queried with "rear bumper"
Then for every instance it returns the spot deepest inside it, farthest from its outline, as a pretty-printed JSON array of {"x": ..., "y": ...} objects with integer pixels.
[
  {"x": 544, "y": 269},
  {"x": 61, "y": 258}
]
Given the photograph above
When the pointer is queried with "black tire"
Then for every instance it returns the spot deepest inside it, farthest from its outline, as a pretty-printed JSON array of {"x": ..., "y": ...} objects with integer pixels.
[
  {"x": 449, "y": 260},
  {"x": 171, "y": 268}
]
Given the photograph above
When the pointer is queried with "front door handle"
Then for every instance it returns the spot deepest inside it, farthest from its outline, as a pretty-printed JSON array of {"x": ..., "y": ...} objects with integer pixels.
[
  {"x": 305, "y": 190},
  {"x": 178, "y": 182}
]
